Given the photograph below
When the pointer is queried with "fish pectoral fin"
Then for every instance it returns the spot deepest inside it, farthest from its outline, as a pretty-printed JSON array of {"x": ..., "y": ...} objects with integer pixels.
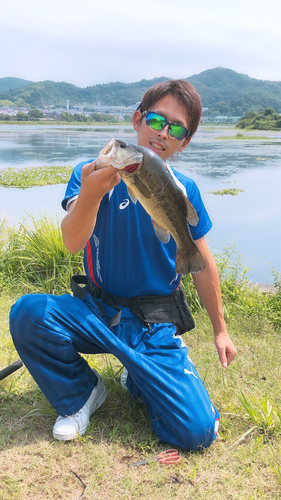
[
  {"x": 132, "y": 196},
  {"x": 191, "y": 213},
  {"x": 161, "y": 232}
]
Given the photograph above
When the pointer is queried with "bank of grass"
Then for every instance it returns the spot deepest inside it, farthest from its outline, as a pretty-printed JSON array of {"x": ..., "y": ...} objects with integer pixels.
[{"x": 243, "y": 463}]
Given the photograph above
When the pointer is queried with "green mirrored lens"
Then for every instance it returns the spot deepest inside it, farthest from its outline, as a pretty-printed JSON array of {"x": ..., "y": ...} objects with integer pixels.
[
  {"x": 155, "y": 121},
  {"x": 177, "y": 131},
  {"x": 158, "y": 122}
]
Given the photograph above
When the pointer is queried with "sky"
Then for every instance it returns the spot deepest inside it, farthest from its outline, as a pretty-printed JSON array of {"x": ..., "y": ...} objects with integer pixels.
[{"x": 88, "y": 42}]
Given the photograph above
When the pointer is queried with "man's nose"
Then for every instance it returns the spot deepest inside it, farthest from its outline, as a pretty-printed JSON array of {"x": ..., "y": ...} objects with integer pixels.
[{"x": 164, "y": 133}]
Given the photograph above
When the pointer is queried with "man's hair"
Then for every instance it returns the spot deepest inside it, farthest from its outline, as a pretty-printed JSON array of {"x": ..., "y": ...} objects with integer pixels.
[{"x": 183, "y": 91}]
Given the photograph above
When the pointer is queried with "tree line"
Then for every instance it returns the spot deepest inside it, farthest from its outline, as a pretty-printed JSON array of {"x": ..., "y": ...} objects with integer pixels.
[
  {"x": 266, "y": 119},
  {"x": 64, "y": 116}
]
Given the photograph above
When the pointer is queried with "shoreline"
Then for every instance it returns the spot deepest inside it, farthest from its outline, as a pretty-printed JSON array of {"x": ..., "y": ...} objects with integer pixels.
[{"x": 263, "y": 287}]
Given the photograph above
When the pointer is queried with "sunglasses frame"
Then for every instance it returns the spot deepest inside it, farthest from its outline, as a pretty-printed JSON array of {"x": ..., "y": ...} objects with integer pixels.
[{"x": 166, "y": 122}]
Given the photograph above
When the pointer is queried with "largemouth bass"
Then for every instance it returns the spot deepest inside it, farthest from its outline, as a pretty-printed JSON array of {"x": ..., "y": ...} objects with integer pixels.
[{"x": 151, "y": 182}]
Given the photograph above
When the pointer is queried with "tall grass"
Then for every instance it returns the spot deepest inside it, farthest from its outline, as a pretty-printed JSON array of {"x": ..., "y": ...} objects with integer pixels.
[
  {"x": 33, "y": 257},
  {"x": 237, "y": 295}
]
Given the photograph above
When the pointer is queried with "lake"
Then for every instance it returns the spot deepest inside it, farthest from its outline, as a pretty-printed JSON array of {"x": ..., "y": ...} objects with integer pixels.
[{"x": 250, "y": 220}]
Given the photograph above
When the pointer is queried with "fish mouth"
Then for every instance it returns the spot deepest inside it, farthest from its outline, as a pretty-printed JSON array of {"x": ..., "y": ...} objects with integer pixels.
[{"x": 131, "y": 168}]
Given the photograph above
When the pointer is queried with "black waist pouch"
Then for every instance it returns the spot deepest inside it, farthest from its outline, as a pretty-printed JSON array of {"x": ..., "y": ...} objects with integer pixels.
[
  {"x": 150, "y": 308},
  {"x": 164, "y": 309}
]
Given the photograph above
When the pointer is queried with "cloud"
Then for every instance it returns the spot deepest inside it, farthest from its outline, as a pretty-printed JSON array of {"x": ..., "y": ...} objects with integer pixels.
[{"x": 85, "y": 43}]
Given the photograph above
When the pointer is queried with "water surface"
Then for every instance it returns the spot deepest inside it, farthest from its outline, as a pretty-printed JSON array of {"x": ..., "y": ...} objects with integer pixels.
[{"x": 250, "y": 221}]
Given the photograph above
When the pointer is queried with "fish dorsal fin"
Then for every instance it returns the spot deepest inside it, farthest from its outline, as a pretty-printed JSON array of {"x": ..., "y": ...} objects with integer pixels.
[
  {"x": 191, "y": 213},
  {"x": 162, "y": 233},
  {"x": 132, "y": 196}
]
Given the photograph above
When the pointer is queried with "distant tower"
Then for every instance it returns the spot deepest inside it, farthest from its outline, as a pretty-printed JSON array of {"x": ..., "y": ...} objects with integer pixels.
[{"x": 67, "y": 104}]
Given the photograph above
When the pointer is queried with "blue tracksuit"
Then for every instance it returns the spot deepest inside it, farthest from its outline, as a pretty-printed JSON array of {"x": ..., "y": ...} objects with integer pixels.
[{"x": 124, "y": 257}]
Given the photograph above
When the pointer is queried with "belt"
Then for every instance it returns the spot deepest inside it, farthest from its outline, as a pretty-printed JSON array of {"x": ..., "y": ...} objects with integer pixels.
[{"x": 171, "y": 308}]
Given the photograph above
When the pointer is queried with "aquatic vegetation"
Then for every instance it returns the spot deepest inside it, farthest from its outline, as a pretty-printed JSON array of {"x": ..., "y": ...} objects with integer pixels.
[
  {"x": 231, "y": 191},
  {"x": 35, "y": 176},
  {"x": 242, "y": 136}
]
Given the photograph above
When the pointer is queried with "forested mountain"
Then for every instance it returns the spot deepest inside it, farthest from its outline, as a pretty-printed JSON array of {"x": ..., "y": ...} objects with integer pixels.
[
  {"x": 9, "y": 83},
  {"x": 232, "y": 93},
  {"x": 223, "y": 91},
  {"x": 50, "y": 93}
]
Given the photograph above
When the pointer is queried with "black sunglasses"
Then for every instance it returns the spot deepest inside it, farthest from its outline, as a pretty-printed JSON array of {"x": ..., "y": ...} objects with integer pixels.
[{"x": 158, "y": 122}]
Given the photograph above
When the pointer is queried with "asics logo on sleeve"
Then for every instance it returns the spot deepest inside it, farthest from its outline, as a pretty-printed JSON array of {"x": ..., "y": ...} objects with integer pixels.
[{"x": 124, "y": 204}]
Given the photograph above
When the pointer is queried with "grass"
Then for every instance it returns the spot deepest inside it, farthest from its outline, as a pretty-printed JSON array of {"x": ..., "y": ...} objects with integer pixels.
[
  {"x": 243, "y": 463},
  {"x": 34, "y": 257}
]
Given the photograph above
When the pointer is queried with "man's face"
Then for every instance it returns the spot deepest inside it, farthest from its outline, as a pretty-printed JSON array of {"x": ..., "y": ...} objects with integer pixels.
[{"x": 160, "y": 141}]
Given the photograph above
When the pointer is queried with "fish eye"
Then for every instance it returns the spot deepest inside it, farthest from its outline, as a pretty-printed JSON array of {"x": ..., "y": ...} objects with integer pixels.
[{"x": 122, "y": 143}]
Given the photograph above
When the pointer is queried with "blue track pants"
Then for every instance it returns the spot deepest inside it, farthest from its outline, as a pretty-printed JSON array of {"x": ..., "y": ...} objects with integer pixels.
[{"x": 50, "y": 331}]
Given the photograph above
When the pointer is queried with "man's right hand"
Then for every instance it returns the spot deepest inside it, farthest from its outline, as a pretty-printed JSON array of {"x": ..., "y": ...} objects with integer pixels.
[
  {"x": 96, "y": 183},
  {"x": 79, "y": 222}
]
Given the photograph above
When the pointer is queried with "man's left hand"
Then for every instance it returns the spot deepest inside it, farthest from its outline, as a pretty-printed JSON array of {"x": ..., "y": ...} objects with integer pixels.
[{"x": 226, "y": 349}]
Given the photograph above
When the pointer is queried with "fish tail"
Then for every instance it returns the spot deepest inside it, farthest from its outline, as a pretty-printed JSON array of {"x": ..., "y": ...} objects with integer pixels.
[{"x": 189, "y": 262}]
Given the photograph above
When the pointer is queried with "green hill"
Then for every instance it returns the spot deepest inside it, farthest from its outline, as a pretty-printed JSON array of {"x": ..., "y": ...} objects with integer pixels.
[
  {"x": 9, "y": 83},
  {"x": 229, "y": 93},
  {"x": 223, "y": 91},
  {"x": 51, "y": 93}
]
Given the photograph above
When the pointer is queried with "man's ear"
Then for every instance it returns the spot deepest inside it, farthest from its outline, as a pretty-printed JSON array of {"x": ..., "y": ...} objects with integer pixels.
[
  {"x": 184, "y": 144},
  {"x": 137, "y": 117}
]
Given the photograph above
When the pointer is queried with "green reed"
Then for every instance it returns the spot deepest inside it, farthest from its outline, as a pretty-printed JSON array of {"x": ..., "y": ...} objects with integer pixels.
[{"x": 33, "y": 257}]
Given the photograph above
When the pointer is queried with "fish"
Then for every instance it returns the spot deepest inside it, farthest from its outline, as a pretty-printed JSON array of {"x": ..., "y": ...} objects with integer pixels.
[{"x": 151, "y": 181}]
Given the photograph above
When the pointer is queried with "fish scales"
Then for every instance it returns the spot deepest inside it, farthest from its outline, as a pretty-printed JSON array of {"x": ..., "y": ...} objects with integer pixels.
[{"x": 150, "y": 182}]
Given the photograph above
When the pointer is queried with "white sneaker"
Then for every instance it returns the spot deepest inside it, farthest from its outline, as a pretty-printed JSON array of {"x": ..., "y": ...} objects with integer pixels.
[{"x": 70, "y": 427}]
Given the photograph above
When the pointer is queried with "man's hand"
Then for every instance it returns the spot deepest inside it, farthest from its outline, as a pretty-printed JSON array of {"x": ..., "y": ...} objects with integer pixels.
[
  {"x": 96, "y": 183},
  {"x": 79, "y": 222},
  {"x": 226, "y": 349}
]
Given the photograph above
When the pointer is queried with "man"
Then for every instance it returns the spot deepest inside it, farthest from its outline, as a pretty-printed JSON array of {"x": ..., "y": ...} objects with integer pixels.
[{"x": 123, "y": 256}]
